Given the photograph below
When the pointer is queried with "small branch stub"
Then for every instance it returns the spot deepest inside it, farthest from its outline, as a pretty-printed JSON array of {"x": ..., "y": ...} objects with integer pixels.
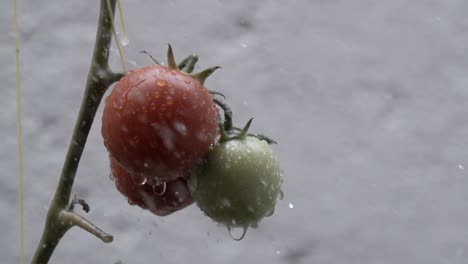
[{"x": 73, "y": 219}]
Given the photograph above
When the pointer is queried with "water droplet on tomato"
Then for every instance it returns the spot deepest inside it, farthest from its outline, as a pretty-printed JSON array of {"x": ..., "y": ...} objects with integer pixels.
[
  {"x": 124, "y": 129},
  {"x": 161, "y": 83},
  {"x": 169, "y": 100},
  {"x": 180, "y": 127},
  {"x": 167, "y": 136},
  {"x": 237, "y": 233},
  {"x": 159, "y": 189},
  {"x": 138, "y": 180},
  {"x": 143, "y": 118}
]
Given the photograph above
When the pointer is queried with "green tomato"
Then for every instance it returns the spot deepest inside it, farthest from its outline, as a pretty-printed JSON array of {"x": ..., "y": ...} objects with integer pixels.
[{"x": 238, "y": 183}]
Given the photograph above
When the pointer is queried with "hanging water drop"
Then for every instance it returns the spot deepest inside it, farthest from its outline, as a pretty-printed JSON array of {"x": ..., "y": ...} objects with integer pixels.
[
  {"x": 124, "y": 40},
  {"x": 237, "y": 230},
  {"x": 280, "y": 195},
  {"x": 270, "y": 212},
  {"x": 159, "y": 189},
  {"x": 139, "y": 180}
]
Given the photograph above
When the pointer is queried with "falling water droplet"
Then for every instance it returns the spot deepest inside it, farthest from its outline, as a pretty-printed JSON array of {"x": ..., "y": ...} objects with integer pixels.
[
  {"x": 159, "y": 189},
  {"x": 291, "y": 206},
  {"x": 111, "y": 177},
  {"x": 139, "y": 180},
  {"x": 235, "y": 230}
]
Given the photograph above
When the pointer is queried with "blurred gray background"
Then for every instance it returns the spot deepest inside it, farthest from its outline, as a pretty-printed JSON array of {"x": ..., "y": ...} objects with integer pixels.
[{"x": 367, "y": 100}]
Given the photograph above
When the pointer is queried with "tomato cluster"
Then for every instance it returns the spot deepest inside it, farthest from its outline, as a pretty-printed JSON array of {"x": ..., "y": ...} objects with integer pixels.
[{"x": 169, "y": 146}]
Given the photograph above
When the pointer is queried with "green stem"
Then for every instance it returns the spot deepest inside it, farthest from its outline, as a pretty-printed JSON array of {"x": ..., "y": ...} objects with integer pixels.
[{"x": 100, "y": 77}]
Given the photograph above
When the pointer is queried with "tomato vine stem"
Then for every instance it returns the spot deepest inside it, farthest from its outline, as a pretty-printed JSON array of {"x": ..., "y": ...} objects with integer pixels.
[{"x": 59, "y": 218}]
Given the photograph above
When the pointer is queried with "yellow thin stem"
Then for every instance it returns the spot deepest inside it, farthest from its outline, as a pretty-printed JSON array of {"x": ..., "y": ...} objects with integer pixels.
[
  {"x": 20, "y": 131},
  {"x": 116, "y": 39},
  {"x": 122, "y": 22}
]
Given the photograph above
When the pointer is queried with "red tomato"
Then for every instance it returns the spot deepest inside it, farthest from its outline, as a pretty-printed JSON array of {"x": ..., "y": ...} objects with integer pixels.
[
  {"x": 159, "y": 123},
  {"x": 159, "y": 200}
]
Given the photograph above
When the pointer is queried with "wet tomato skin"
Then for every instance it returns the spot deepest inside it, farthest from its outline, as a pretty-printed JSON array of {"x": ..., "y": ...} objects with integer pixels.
[
  {"x": 175, "y": 197},
  {"x": 239, "y": 183},
  {"x": 159, "y": 122}
]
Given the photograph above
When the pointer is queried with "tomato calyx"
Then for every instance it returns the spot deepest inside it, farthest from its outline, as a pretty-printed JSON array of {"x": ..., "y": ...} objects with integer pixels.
[
  {"x": 230, "y": 132},
  {"x": 187, "y": 65},
  {"x": 259, "y": 136},
  {"x": 233, "y": 134}
]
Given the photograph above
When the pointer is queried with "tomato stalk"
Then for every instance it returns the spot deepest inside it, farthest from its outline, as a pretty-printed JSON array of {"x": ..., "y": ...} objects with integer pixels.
[
  {"x": 61, "y": 217},
  {"x": 228, "y": 131}
]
